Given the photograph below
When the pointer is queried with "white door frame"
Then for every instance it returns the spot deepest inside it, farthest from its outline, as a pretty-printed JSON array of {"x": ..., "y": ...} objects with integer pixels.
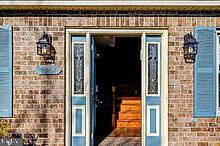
[{"x": 164, "y": 78}]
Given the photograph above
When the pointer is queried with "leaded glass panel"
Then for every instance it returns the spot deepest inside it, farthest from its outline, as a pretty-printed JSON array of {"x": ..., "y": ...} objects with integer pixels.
[
  {"x": 152, "y": 68},
  {"x": 78, "y": 68}
]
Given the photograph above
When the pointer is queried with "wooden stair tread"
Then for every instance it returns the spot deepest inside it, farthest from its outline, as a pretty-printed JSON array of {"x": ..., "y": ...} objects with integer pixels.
[
  {"x": 129, "y": 116},
  {"x": 127, "y": 120},
  {"x": 131, "y": 104},
  {"x": 130, "y": 108},
  {"x": 130, "y": 98},
  {"x": 129, "y": 123},
  {"x": 129, "y": 113}
]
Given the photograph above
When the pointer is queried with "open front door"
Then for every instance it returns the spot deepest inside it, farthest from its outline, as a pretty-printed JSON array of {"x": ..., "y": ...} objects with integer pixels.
[{"x": 93, "y": 92}]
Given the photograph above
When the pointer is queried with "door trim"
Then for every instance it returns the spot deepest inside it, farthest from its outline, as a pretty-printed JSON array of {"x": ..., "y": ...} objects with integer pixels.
[
  {"x": 164, "y": 79},
  {"x": 143, "y": 87},
  {"x": 164, "y": 89}
]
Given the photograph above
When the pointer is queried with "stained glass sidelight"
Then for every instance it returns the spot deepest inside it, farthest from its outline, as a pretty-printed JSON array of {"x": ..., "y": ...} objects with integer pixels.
[
  {"x": 152, "y": 68},
  {"x": 78, "y": 68}
]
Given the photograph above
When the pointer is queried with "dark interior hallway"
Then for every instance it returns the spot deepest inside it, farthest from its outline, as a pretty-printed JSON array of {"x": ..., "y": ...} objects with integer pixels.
[{"x": 117, "y": 64}]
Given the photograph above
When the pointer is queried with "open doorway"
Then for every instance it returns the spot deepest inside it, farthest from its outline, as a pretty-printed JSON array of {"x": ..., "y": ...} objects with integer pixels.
[{"x": 118, "y": 87}]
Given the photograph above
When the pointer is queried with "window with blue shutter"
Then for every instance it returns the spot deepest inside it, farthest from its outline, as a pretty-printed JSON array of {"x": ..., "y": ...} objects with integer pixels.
[
  {"x": 5, "y": 71},
  {"x": 218, "y": 73},
  {"x": 205, "y": 73}
]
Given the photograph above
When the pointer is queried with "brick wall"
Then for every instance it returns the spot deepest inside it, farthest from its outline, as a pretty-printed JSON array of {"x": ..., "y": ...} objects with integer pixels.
[{"x": 39, "y": 101}]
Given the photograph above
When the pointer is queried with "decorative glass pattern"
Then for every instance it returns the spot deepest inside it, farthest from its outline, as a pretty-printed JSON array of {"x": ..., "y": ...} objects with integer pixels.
[
  {"x": 152, "y": 68},
  {"x": 78, "y": 68}
]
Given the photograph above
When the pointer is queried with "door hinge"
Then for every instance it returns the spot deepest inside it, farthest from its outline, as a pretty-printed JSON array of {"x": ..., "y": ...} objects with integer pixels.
[
  {"x": 92, "y": 47},
  {"x": 92, "y": 135},
  {"x": 141, "y": 54}
]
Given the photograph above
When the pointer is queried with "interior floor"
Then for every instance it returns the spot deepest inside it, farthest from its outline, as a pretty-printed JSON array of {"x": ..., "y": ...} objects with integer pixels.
[{"x": 118, "y": 65}]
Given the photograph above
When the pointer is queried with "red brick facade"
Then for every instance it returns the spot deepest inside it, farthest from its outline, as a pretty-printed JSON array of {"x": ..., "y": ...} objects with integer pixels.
[{"x": 39, "y": 101}]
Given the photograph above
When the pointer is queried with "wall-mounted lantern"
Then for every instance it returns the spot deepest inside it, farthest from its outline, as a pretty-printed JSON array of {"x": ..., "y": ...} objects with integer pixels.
[
  {"x": 44, "y": 45},
  {"x": 190, "y": 48},
  {"x": 46, "y": 49}
]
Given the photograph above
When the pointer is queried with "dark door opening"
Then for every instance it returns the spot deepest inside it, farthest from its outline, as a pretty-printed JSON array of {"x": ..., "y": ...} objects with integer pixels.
[{"x": 118, "y": 79}]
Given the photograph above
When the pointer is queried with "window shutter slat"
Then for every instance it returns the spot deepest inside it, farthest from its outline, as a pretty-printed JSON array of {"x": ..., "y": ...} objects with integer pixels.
[
  {"x": 5, "y": 71},
  {"x": 205, "y": 73}
]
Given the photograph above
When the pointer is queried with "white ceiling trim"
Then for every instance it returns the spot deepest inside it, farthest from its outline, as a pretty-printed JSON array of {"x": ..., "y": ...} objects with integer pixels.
[{"x": 110, "y": 3}]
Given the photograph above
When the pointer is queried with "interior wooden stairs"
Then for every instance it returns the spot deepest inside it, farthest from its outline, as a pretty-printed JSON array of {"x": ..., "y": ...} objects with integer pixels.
[
  {"x": 129, "y": 118},
  {"x": 128, "y": 129}
]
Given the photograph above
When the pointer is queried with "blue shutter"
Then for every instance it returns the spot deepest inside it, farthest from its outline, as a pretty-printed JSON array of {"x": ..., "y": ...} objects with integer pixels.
[
  {"x": 205, "y": 73},
  {"x": 5, "y": 71}
]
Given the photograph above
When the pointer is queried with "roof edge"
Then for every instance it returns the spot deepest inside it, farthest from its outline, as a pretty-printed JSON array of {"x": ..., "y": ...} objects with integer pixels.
[{"x": 110, "y": 3}]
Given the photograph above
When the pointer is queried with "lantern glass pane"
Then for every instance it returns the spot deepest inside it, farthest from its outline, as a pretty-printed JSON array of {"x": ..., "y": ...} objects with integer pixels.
[
  {"x": 48, "y": 50},
  {"x": 44, "y": 51},
  {"x": 191, "y": 49},
  {"x": 39, "y": 51}
]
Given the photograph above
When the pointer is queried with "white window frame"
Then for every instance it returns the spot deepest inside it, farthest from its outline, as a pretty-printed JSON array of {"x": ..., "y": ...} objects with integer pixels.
[
  {"x": 74, "y": 108},
  {"x": 157, "y": 108}
]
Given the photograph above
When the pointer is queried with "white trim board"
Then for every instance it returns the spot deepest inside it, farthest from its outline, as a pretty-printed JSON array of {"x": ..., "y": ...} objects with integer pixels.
[
  {"x": 157, "y": 108},
  {"x": 110, "y": 3},
  {"x": 143, "y": 87},
  {"x": 164, "y": 89},
  {"x": 164, "y": 78},
  {"x": 87, "y": 62},
  {"x": 68, "y": 106}
]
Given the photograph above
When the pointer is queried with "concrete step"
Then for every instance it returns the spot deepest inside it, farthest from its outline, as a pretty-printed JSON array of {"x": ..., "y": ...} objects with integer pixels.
[
  {"x": 121, "y": 141},
  {"x": 126, "y": 132}
]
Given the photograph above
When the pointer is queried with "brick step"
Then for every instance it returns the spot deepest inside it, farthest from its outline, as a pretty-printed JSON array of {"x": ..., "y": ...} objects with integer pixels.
[
  {"x": 130, "y": 107},
  {"x": 129, "y": 116},
  {"x": 128, "y": 123}
]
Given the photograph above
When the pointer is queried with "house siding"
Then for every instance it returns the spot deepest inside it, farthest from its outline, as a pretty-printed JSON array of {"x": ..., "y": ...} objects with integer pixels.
[{"x": 39, "y": 101}]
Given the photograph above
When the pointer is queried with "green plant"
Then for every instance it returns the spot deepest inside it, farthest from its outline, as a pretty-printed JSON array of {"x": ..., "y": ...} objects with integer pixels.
[
  {"x": 6, "y": 132},
  {"x": 5, "y": 129}
]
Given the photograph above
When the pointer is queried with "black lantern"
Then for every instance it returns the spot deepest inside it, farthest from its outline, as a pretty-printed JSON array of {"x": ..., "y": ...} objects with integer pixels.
[
  {"x": 44, "y": 45},
  {"x": 190, "y": 48}
]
